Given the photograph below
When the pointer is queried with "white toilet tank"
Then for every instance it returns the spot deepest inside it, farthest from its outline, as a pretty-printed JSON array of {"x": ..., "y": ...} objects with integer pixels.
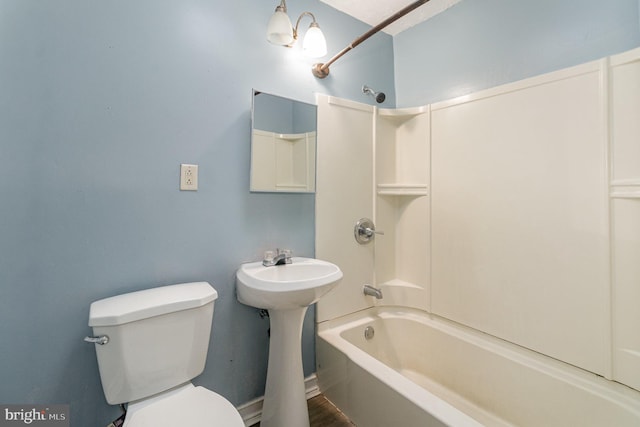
[{"x": 158, "y": 339}]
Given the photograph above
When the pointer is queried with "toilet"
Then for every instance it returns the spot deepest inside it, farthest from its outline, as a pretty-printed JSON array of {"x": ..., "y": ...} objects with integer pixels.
[{"x": 150, "y": 344}]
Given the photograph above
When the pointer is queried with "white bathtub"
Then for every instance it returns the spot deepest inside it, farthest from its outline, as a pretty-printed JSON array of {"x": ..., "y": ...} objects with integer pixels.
[{"x": 420, "y": 370}]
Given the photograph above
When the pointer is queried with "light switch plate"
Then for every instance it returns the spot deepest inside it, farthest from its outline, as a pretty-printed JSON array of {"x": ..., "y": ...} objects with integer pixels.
[{"x": 188, "y": 177}]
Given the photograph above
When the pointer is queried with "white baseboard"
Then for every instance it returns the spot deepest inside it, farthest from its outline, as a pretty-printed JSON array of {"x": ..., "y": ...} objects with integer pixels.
[{"x": 251, "y": 411}]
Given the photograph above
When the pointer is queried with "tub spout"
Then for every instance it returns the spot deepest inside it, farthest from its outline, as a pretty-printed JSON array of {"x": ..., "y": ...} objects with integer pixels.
[{"x": 372, "y": 291}]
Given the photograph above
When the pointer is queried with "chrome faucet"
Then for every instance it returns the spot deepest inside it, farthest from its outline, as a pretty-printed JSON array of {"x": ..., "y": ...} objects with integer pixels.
[
  {"x": 282, "y": 256},
  {"x": 372, "y": 291}
]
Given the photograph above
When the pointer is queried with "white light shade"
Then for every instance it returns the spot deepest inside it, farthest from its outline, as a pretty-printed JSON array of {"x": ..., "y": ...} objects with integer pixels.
[
  {"x": 279, "y": 30},
  {"x": 314, "y": 44}
]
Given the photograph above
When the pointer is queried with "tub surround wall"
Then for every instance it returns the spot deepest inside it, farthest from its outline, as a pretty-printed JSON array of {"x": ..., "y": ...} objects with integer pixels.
[
  {"x": 624, "y": 202},
  {"x": 396, "y": 199},
  {"x": 519, "y": 228},
  {"x": 344, "y": 195},
  {"x": 523, "y": 225}
]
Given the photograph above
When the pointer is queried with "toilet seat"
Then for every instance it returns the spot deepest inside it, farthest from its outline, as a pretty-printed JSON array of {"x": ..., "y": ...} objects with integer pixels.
[{"x": 188, "y": 406}]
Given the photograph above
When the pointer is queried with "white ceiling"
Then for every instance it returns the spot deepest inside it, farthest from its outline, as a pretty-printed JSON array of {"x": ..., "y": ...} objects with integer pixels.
[{"x": 375, "y": 11}]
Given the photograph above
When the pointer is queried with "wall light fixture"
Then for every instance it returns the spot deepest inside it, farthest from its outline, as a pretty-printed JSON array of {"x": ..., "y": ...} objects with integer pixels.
[{"x": 280, "y": 32}]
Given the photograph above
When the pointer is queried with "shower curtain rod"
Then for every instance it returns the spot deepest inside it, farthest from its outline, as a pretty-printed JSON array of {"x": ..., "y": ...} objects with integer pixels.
[{"x": 322, "y": 70}]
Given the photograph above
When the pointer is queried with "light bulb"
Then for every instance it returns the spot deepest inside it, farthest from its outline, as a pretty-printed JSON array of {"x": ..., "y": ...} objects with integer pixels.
[{"x": 314, "y": 44}]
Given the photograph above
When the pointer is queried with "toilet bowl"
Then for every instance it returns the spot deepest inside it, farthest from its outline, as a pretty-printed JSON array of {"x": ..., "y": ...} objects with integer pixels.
[
  {"x": 186, "y": 406},
  {"x": 150, "y": 344}
]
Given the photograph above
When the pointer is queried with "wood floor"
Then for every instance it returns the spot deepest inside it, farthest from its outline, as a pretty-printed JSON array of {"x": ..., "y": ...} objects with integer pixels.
[{"x": 323, "y": 414}]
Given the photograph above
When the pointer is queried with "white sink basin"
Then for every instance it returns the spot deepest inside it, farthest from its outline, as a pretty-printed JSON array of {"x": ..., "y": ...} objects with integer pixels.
[{"x": 287, "y": 286}]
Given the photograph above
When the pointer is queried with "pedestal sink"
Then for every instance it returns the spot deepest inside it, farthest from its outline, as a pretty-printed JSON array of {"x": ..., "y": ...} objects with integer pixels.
[{"x": 286, "y": 291}]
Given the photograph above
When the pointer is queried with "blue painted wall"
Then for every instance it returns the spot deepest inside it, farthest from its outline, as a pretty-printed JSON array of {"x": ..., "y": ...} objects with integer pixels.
[
  {"x": 478, "y": 44},
  {"x": 99, "y": 104}
]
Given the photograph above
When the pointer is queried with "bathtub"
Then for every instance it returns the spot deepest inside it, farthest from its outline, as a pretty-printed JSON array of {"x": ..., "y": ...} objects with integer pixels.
[{"x": 421, "y": 370}]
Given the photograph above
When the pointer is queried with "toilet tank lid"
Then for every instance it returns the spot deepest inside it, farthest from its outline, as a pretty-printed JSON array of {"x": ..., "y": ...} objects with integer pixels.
[{"x": 139, "y": 305}]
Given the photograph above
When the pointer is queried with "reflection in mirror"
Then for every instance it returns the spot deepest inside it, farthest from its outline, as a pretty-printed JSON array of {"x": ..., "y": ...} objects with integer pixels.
[{"x": 283, "y": 145}]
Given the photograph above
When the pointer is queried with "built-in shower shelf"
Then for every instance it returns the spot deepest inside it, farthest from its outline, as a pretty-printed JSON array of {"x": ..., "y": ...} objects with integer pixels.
[
  {"x": 625, "y": 189},
  {"x": 402, "y": 190},
  {"x": 398, "y": 292},
  {"x": 400, "y": 115},
  {"x": 399, "y": 283},
  {"x": 402, "y": 161}
]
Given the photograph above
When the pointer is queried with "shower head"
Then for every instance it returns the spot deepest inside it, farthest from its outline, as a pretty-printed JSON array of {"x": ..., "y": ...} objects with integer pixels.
[{"x": 379, "y": 96}]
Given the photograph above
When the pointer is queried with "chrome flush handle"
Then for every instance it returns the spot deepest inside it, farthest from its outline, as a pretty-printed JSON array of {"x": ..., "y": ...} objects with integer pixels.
[{"x": 102, "y": 339}]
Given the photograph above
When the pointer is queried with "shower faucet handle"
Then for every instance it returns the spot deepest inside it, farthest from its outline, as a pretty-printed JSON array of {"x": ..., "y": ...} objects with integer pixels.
[{"x": 365, "y": 231}]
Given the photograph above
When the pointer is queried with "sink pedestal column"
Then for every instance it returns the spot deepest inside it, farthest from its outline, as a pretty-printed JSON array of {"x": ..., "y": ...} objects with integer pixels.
[{"x": 285, "y": 400}]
